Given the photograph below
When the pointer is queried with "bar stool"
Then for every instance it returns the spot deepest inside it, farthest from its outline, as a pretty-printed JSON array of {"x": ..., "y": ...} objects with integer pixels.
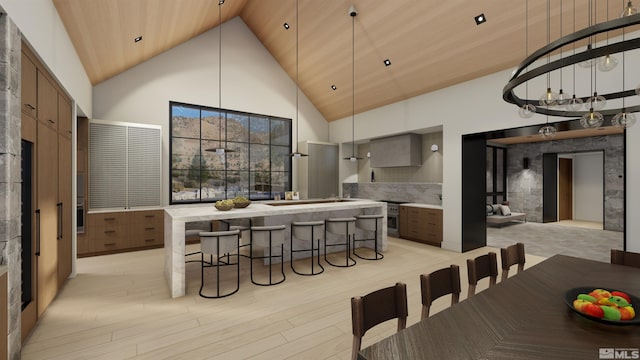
[
  {"x": 368, "y": 223},
  {"x": 221, "y": 244},
  {"x": 304, "y": 230},
  {"x": 268, "y": 237},
  {"x": 192, "y": 233},
  {"x": 340, "y": 226}
]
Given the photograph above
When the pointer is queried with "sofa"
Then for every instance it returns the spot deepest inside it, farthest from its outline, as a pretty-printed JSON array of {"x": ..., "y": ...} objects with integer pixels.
[{"x": 498, "y": 214}]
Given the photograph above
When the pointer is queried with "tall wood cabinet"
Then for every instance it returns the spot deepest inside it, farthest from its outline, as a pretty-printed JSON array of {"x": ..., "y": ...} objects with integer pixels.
[{"x": 47, "y": 125}]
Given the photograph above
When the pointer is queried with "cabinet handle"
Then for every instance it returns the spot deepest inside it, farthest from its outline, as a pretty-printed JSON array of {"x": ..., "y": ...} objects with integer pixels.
[
  {"x": 109, "y": 231},
  {"x": 149, "y": 240},
  {"x": 109, "y": 244},
  {"x": 150, "y": 228},
  {"x": 51, "y": 121},
  {"x": 109, "y": 219},
  {"x": 59, "y": 206},
  {"x": 30, "y": 106},
  {"x": 38, "y": 232},
  {"x": 149, "y": 216}
]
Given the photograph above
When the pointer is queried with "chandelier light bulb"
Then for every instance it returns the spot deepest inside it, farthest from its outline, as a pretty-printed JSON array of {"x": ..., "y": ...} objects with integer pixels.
[
  {"x": 527, "y": 111},
  {"x": 562, "y": 100},
  {"x": 629, "y": 10},
  {"x": 589, "y": 63},
  {"x": 549, "y": 98},
  {"x": 575, "y": 103},
  {"x": 607, "y": 63},
  {"x": 548, "y": 131},
  {"x": 596, "y": 102},
  {"x": 591, "y": 120},
  {"x": 623, "y": 119}
]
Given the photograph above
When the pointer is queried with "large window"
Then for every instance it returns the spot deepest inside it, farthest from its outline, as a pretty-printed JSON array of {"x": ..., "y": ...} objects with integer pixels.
[
  {"x": 496, "y": 174},
  {"x": 258, "y": 167}
]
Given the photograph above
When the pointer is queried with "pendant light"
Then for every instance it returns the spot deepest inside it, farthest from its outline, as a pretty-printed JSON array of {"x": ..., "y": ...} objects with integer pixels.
[
  {"x": 623, "y": 119},
  {"x": 549, "y": 98},
  {"x": 220, "y": 150},
  {"x": 608, "y": 62},
  {"x": 353, "y": 13},
  {"x": 296, "y": 154},
  {"x": 527, "y": 110},
  {"x": 562, "y": 100},
  {"x": 575, "y": 103},
  {"x": 629, "y": 10}
]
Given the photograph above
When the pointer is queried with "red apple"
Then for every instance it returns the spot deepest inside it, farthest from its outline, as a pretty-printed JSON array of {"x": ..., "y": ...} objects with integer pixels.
[
  {"x": 600, "y": 293},
  {"x": 593, "y": 310}
]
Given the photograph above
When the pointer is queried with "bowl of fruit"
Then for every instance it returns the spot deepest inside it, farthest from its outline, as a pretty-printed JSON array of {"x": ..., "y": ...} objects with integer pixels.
[
  {"x": 603, "y": 305},
  {"x": 224, "y": 205},
  {"x": 241, "y": 202}
]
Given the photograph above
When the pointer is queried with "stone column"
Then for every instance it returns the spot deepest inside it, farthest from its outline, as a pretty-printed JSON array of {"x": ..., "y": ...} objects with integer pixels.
[{"x": 10, "y": 178}]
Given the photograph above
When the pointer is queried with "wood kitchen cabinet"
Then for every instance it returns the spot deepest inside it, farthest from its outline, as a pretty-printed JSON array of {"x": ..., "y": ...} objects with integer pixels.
[
  {"x": 421, "y": 224},
  {"x": 112, "y": 232},
  {"x": 29, "y": 86}
]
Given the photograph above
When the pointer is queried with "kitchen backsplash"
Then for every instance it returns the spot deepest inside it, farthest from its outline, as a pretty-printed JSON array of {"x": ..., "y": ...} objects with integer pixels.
[{"x": 427, "y": 193}]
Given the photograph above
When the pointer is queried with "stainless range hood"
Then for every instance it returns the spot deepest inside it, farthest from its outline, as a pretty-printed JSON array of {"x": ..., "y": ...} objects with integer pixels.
[{"x": 396, "y": 151}]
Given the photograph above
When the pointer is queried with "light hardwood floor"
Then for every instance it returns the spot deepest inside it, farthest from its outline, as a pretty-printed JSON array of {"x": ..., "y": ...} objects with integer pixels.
[{"x": 118, "y": 307}]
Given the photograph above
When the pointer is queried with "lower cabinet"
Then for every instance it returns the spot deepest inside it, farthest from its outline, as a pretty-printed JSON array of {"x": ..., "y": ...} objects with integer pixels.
[
  {"x": 122, "y": 231},
  {"x": 421, "y": 224}
]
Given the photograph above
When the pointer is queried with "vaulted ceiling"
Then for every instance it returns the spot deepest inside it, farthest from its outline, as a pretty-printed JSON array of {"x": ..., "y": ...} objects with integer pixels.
[{"x": 431, "y": 44}]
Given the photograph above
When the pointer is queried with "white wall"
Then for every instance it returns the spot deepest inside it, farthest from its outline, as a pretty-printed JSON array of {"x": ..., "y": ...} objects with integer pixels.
[
  {"x": 252, "y": 81},
  {"x": 473, "y": 107},
  {"x": 588, "y": 185},
  {"x": 42, "y": 28}
]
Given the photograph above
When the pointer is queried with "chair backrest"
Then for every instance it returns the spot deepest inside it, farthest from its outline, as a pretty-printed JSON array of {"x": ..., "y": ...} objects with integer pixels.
[
  {"x": 219, "y": 242},
  {"x": 439, "y": 283},
  {"x": 627, "y": 258},
  {"x": 481, "y": 267},
  {"x": 512, "y": 255},
  {"x": 375, "y": 308}
]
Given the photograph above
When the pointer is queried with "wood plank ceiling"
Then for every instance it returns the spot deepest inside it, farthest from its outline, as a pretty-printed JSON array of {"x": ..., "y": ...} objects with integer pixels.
[{"x": 432, "y": 44}]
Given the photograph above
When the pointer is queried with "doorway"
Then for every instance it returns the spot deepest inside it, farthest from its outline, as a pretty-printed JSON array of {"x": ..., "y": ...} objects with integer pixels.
[{"x": 581, "y": 189}]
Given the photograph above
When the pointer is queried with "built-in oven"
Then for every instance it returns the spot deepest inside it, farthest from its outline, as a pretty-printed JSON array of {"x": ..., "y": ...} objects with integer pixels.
[{"x": 393, "y": 217}]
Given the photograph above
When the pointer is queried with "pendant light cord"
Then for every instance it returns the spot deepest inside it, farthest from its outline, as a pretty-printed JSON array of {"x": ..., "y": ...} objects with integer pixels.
[
  {"x": 353, "y": 85},
  {"x": 526, "y": 46},
  {"x": 220, "y": 72},
  {"x": 297, "y": 90}
]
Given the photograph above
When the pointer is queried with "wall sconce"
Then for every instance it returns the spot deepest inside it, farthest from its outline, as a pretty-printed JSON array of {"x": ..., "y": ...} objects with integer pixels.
[{"x": 525, "y": 163}]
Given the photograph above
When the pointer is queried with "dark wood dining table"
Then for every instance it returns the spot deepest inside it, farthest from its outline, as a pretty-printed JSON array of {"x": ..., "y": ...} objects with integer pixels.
[{"x": 523, "y": 317}]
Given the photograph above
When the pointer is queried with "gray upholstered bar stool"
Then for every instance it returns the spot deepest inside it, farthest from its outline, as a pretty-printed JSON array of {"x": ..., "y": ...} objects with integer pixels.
[
  {"x": 192, "y": 234},
  {"x": 306, "y": 230},
  {"x": 369, "y": 223},
  {"x": 224, "y": 245},
  {"x": 267, "y": 237},
  {"x": 344, "y": 227}
]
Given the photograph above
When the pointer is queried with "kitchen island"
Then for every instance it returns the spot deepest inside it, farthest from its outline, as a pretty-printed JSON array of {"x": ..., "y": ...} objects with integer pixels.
[{"x": 261, "y": 213}]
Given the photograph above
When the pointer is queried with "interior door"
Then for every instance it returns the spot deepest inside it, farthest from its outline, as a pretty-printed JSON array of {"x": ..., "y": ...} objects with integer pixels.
[
  {"x": 29, "y": 305},
  {"x": 46, "y": 215},
  {"x": 565, "y": 189}
]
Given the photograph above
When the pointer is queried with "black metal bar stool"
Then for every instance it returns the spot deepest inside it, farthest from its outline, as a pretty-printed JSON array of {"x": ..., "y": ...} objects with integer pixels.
[
  {"x": 221, "y": 244},
  {"x": 267, "y": 237},
  {"x": 344, "y": 227},
  {"x": 191, "y": 234},
  {"x": 304, "y": 230},
  {"x": 369, "y": 223}
]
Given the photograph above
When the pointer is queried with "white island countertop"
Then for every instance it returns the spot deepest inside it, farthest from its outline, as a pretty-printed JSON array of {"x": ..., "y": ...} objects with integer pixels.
[{"x": 282, "y": 212}]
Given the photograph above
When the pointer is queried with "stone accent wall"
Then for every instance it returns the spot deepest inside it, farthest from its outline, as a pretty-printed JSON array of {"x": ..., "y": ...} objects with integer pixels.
[
  {"x": 10, "y": 184},
  {"x": 524, "y": 187},
  {"x": 426, "y": 193}
]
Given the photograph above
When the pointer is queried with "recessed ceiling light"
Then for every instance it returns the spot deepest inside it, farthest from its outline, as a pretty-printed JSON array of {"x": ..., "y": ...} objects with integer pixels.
[
  {"x": 387, "y": 62},
  {"x": 137, "y": 39},
  {"x": 286, "y": 26},
  {"x": 334, "y": 88},
  {"x": 480, "y": 19}
]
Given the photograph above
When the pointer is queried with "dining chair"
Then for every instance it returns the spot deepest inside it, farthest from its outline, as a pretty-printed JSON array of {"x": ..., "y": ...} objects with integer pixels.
[
  {"x": 375, "y": 308},
  {"x": 437, "y": 284},
  {"x": 627, "y": 258},
  {"x": 479, "y": 268},
  {"x": 512, "y": 255}
]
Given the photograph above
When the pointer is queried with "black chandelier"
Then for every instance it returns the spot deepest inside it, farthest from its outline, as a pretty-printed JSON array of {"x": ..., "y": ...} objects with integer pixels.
[{"x": 525, "y": 72}]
